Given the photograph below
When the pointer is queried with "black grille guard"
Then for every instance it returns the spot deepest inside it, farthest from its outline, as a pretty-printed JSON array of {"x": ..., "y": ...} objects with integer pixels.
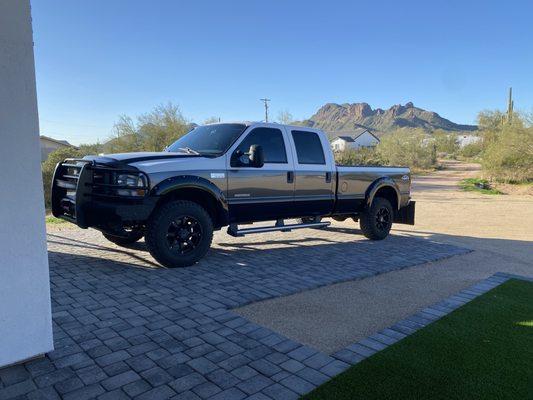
[{"x": 73, "y": 187}]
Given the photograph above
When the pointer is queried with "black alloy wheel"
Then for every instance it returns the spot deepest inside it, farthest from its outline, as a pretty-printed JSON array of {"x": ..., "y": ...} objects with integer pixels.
[
  {"x": 376, "y": 221},
  {"x": 179, "y": 233},
  {"x": 184, "y": 234},
  {"x": 383, "y": 219}
]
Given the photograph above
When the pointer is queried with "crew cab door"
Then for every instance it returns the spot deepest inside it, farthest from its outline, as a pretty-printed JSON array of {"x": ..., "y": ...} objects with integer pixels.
[
  {"x": 266, "y": 193},
  {"x": 314, "y": 173}
]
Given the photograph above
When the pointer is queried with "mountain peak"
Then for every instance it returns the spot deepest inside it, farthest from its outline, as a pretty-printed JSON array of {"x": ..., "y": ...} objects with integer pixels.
[{"x": 348, "y": 116}]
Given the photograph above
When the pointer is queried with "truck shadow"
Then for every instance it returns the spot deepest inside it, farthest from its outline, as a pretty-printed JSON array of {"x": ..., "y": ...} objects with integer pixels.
[{"x": 332, "y": 246}]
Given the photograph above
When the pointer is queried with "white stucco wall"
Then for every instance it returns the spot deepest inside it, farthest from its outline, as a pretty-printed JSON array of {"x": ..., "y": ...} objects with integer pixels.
[
  {"x": 338, "y": 145},
  {"x": 365, "y": 140},
  {"x": 25, "y": 316}
]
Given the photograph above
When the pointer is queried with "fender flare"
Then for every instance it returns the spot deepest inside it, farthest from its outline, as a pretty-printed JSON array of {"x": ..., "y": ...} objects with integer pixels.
[
  {"x": 180, "y": 182},
  {"x": 378, "y": 184}
]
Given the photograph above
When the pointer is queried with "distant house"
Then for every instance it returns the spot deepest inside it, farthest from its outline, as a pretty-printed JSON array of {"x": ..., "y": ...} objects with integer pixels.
[
  {"x": 360, "y": 138},
  {"x": 465, "y": 140},
  {"x": 48, "y": 145}
]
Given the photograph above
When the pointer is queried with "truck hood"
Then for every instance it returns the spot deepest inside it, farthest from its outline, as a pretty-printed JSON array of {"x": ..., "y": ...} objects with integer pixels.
[{"x": 121, "y": 159}]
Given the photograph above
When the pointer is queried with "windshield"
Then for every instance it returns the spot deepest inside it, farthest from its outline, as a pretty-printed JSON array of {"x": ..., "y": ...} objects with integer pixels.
[{"x": 208, "y": 139}]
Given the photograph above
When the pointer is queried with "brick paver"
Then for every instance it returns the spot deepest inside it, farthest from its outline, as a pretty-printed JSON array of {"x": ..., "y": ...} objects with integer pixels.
[{"x": 126, "y": 328}]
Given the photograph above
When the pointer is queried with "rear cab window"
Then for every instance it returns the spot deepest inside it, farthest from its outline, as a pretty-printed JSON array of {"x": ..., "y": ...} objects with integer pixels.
[{"x": 308, "y": 148}]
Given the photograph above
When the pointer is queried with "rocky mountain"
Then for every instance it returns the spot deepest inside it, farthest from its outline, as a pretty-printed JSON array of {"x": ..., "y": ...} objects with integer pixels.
[{"x": 345, "y": 117}]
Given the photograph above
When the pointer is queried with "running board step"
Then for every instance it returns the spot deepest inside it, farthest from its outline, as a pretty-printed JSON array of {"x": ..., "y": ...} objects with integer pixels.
[{"x": 234, "y": 230}]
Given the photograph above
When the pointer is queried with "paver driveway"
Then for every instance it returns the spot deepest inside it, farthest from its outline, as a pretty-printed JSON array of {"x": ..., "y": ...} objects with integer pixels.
[{"x": 123, "y": 327}]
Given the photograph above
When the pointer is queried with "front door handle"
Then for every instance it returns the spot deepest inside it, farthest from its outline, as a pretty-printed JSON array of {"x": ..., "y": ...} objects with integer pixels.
[
  {"x": 290, "y": 177},
  {"x": 328, "y": 177}
]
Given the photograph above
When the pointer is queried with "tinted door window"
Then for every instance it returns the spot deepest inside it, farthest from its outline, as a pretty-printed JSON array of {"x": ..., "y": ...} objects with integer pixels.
[
  {"x": 308, "y": 148},
  {"x": 272, "y": 142}
]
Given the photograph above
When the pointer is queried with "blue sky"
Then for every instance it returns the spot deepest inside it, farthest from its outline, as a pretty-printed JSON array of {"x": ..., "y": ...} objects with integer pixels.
[{"x": 96, "y": 60}]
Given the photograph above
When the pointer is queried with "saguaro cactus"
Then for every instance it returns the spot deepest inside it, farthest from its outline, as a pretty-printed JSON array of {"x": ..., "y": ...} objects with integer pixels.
[{"x": 510, "y": 105}]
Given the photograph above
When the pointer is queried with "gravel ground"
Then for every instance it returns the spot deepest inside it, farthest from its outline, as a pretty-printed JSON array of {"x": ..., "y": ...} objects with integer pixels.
[{"x": 498, "y": 228}]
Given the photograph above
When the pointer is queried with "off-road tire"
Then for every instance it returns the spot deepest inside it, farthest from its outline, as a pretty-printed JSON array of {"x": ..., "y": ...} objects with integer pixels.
[
  {"x": 132, "y": 237},
  {"x": 173, "y": 214},
  {"x": 370, "y": 223}
]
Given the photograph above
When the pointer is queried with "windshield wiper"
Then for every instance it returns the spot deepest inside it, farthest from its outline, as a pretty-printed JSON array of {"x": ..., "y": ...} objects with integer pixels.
[{"x": 190, "y": 151}]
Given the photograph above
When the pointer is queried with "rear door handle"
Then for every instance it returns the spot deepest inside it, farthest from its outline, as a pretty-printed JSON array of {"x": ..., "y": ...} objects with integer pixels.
[
  {"x": 290, "y": 177},
  {"x": 328, "y": 177}
]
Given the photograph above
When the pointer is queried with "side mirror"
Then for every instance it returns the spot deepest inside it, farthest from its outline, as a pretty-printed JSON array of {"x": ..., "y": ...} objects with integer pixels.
[{"x": 257, "y": 156}]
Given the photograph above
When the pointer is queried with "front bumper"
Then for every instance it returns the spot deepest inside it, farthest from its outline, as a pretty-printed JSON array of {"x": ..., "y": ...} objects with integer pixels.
[{"x": 82, "y": 194}]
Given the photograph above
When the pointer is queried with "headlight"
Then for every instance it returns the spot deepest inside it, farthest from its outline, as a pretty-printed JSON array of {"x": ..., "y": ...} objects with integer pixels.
[
  {"x": 137, "y": 182},
  {"x": 131, "y": 180}
]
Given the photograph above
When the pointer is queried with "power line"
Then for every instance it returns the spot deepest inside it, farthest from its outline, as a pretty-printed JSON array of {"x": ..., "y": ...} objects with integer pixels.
[{"x": 266, "y": 108}]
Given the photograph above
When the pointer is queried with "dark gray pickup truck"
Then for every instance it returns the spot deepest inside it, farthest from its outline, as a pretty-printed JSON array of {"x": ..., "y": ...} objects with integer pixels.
[{"x": 226, "y": 174}]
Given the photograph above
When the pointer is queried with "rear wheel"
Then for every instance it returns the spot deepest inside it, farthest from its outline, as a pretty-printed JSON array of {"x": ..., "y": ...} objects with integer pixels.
[
  {"x": 130, "y": 237},
  {"x": 179, "y": 234},
  {"x": 376, "y": 220}
]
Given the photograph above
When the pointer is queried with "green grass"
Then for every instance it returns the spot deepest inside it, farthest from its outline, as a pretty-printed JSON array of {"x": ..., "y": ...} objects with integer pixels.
[
  {"x": 483, "y": 350},
  {"x": 470, "y": 185},
  {"x": 50, "y": 219}
]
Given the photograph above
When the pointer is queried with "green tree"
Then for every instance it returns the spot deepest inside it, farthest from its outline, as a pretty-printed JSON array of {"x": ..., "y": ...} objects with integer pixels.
[
  {"x": 150, "y": 132},
  {"x": 212, "y": 120},
  {"x": 285, "y": 117}
]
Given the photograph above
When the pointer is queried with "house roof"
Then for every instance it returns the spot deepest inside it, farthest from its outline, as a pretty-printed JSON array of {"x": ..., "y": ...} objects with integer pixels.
[
  {"x": 363, "y": 131},
  {"x": 61, "y": 142},
  {"x": 356, "y": 133},
  {"x": 345, "y": 138}
]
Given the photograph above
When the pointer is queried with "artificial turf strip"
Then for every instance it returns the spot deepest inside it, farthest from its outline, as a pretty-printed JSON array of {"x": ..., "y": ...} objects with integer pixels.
[{"x": 483, "y": 350}]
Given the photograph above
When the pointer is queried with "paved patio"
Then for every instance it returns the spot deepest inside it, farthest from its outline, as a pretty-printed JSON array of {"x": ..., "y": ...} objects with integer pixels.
[{"x": 125, "y": 328}]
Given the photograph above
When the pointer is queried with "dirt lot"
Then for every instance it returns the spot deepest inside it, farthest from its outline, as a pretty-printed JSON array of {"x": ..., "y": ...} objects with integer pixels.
[{"x": 498, "y": 228}]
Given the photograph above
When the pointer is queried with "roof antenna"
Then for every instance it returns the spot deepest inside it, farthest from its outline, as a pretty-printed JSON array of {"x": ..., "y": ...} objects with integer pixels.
[{"x": 266, "y": 108}]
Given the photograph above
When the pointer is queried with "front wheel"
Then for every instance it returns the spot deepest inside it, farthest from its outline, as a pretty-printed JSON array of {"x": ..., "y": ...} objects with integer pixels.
[
  {"x": 179, "y": 233},
  {"x": 376, "y": 220}
]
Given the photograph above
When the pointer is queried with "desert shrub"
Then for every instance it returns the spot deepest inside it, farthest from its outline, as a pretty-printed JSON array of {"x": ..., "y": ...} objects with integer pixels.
[
  {"x": 445, "y": 143},
  {"x": 471, "y": 150},
  {"x": 360, "y": 156},
  {"x": 508, "y": 152},
  {"x": 49, "y": 165},
  {"x": 409, "y": 148}
]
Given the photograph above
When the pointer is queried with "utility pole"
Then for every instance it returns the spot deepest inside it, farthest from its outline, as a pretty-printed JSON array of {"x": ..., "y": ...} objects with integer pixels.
[{"x": 266, "y": 108}]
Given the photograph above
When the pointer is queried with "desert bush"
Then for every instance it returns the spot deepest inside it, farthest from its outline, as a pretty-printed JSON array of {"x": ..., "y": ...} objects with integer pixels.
[
  {"x": 360, "y": 156},
  {"x": 445, "y": 143},
  {"x": 409, "y": 148},
  {"x": 471, "y": 150},
  {"x": 48, "y": 168},
  {"x": 508, "y": 152}
]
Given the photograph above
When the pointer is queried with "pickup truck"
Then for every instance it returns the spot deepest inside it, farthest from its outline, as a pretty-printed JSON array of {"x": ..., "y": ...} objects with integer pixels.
[{"x": 226, "y": 174}]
